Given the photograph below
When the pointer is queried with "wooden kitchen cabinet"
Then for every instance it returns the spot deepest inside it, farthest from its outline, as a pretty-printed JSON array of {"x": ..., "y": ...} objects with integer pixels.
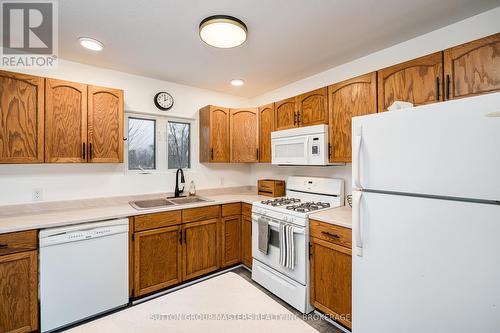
[
  {"x": 419, "y": 81},
  {"x": 312, "y": 108},
  {"x": 157, "y": 259},
  {"x": 472, "y": 68},
  {"x": 347, "y": 99},
  {"x": 231, "y": 240},
  {"x": 285, "y": 114},
  {"x": 105, "y": 125},
  {"x": 331, "y": 271},
  {"x": 200, "y": 247},
  {"x": 65, "y": 121},
  {"x": 21, "y": 118},
  {"x": 246, "y": 240},
  {"x": 266, "y": 126},
  {"x": 19, "y": 292},
  {"x": 244, "y": 135},
  {"x": 214, "y": 134}
]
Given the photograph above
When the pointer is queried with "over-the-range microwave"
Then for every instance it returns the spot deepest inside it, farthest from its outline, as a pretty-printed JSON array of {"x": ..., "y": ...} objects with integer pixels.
[{"x": 300, "y": 146}]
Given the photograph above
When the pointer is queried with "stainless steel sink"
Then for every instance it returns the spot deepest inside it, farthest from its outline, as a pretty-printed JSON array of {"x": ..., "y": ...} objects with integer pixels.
[
  {"x": 187, "y": 200},
  {"x": 161, "y": 203},
  {"x": 150, "y": 204}
]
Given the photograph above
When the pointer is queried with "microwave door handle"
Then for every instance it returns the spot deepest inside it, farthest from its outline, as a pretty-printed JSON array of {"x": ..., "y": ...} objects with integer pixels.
[{"x": 308, "y": 149}]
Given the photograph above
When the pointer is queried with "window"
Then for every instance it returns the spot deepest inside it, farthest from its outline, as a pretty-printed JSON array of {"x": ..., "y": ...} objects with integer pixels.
[
  {"x": 179, "y": 142},
  {"x": 141, "y": 144}
]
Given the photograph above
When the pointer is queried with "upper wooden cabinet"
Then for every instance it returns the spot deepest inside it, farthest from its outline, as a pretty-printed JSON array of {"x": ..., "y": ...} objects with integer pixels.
[
  {"x": 105, "y": 125},
  {"x": 266, "y": 126},
  {"x": 244, "y": 134},
  {"x": 214, "y": 134},
  {"x": 312, "y": 108},
  {"x": 65, "y": 121},
  {"x": 285, "y": 114},
  {"x": 472, "y": 68},
  {"x": 21, "y": 118},
  {"x": 347, "y": 99},
  {"x": 419, "y": 81}
]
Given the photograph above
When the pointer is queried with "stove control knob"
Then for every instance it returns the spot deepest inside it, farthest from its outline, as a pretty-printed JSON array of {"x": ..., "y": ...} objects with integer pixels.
[{"x": 285, "y": 218}]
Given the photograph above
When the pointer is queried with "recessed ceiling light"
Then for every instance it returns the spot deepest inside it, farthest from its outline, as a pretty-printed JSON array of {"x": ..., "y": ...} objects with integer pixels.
[
  {"x": 91, "y": 44},
  {"x": 223, "y": 31},
  {"x": 237, "y": 82}
]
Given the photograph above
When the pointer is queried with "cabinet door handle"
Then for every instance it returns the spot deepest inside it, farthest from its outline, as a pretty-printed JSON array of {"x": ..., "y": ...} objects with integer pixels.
[
  {"x": 84, "y": 151},
  {"x": 91, "y": 151},
  {"x": 447, "y": 86},
  {"x": 330, "y": 234},
  {"x": 185, "y": 239},
  {"x": 294, "y": 118},
  {"x": 298, "y": 118},
  {"x": 212, "y": 154},
  {"x": 257, "y": 154},
  {"x": 437, "y": 88},
  {"x": 180, "y": 236},
  {"x": 329, "y": 150}
]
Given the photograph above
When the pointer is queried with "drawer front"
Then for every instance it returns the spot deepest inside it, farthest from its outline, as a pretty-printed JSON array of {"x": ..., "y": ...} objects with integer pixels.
[
  {"x": 18, "y": 242},
  {"x": 158, "y": 220},
  {"x": 231, "y": 209},
  {"x": 200, "y": 214},
  {"x": 331, "y": 233},
  {"x": 246, "y": 209}
]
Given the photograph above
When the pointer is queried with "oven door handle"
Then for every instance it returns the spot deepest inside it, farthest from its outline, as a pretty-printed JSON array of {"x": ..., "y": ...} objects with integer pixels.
[{"x": 296, "y": 230}]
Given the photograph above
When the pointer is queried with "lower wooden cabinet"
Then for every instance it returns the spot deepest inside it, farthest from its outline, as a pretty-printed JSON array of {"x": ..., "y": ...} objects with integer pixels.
[
  {"x": 19, "y": 292},
  {"x": 231, "y": 240},
  {"x": 246, "y": 240},
  {"x": 157, "y": 259},
  {"x": 331, "y": 278},
  {"x": 200, "y": 248}
]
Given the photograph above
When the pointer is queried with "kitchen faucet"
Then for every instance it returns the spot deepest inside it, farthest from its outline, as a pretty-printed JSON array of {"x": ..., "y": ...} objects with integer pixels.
[{"x": 178, "y": 192}]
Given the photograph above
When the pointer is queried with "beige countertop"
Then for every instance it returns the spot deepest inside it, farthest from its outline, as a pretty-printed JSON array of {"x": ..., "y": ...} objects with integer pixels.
[
  {"x": 61, "y": 214},
  {"x": 341, "y": 216}
]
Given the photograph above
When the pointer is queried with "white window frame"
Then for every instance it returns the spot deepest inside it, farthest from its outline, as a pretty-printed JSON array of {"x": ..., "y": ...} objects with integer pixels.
[{"x": 161, "y": 137}]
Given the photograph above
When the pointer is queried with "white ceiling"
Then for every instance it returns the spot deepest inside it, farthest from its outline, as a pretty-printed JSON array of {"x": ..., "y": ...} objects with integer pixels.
[{"x": 288, "y": 39}]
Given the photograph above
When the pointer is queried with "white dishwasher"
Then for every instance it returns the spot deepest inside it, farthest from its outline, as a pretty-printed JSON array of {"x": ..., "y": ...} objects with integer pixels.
[{"x": 83, "y": 271}]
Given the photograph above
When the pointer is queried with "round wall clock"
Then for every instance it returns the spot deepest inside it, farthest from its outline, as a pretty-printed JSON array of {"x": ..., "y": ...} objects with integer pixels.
[{"x": 163, "y": 101}]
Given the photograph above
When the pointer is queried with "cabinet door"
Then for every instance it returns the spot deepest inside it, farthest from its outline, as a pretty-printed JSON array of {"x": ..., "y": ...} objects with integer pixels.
[
  {"x": 417, "y": 81},
  {"x": 105, "y": 125},
  {"x": 285, "y": 114},
  {"x": 219, "y": 135},
  {"x": 65, "y": 121},
  {"x": 158, "y": 259},
  {"x": 312, "y": 108},
  {"x": 331, "y": 285},
  {"x": 244, "y": 133},
  {"x": 351, "y": 98},
  {"x": 21, "y": 118},
  {"x": 266, "y": 126},
  {"x": 246, "y": 241},
  {"x": 231, "y": 240},
  {"x": 200, "y": 248},
  {"x": 19, "y": 292},
  {"x": 473, "y": 68}
]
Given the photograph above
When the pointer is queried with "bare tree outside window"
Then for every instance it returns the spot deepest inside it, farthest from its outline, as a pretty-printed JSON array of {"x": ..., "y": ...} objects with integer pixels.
[
  {"x": 141, "y": 144},
  {"x": 179, "y": 137}
]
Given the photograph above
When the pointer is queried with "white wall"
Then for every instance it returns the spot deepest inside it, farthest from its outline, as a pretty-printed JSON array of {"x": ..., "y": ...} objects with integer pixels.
[
  {"x": 475, "y": 27},
  {"x": 81, "y": 181},
  {"x": 76, "y": 181}
]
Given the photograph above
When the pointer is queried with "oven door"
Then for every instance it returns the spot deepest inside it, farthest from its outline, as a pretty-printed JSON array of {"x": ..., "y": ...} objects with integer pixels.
[
  {"x": 290, "y": 150},
  {"x": 271, "y": 259}
]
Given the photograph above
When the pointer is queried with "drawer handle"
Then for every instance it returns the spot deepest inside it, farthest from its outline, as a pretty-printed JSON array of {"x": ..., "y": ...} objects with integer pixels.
[
  {"x": 3, "y": 246},
  {"x": 328, "y": 233}
]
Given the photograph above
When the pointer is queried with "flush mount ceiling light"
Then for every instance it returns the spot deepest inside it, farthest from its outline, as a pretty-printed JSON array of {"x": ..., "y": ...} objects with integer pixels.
[
  {"x": 223, "y": 31},
  {"x": 237, "y": 82},
  {"x": 91, "y": 44}
]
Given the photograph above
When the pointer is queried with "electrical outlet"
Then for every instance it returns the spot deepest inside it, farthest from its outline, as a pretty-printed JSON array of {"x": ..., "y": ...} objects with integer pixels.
[
  {"x": 37, "y": 194},
  {"x": 221, "y": 181}
]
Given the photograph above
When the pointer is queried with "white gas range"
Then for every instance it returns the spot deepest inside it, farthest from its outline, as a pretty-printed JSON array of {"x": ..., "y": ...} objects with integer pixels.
[{"x": 304, "y": 195}]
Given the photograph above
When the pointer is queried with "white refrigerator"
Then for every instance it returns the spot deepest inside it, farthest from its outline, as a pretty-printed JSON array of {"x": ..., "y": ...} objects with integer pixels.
[{"x": 426, "y": 219}]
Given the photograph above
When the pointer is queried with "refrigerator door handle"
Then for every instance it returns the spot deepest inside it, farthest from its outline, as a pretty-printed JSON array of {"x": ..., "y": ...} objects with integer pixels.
[
  {"x": 356, "y": 222},
  {"x": 356, "y": 157}
]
